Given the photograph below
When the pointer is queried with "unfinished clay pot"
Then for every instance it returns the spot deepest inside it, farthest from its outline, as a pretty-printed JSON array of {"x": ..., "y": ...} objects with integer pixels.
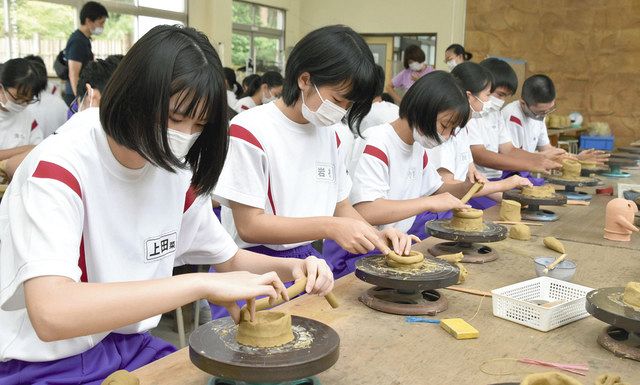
[
  {"x": 467, "y": 220},
  {"x": 631, "y": 294},
  {"x": 618, "y": 224},
  {"x": 571, "y": 169},
  {"x": 546, "y": 191},
  {"x": 268, "y": 329},
  {"x": 510, "y": 211}
]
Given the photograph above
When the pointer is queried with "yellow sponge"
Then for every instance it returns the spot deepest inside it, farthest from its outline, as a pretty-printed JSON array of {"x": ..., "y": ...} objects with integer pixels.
[{"x": 459, "y": 328}]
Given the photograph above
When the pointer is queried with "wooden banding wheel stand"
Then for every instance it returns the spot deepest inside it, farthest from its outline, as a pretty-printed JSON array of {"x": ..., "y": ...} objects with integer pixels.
[
  {"x": 622, "y": 337},
  {"x": 406, "y": 292},
  {"x": 464, "y": 241},
  {"x": 213, "y": 349}
]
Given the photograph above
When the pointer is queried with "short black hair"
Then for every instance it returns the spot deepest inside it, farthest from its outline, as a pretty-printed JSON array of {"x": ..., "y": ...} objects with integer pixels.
[
  {"x": 459, "y": 50},
  {"x": 472, "y": 77},
  {"x": 387, "y": 98},
  {"x": 232, "y": 82},
  {"x": 40, "y": 66},
  {"x": 26, "y": 76},
  {"x": 380, "y": 76},
  {"x": 538, "y": 89},
  {"x": 272, "y": 79},
  {"x": 430, "y": 95},
  {"x": 92, "y": 10},
  {"x": 503, "y": 74},
  {"x": 170, "y": 61},
  {"x": 97, "y": 73},
  {"x": 334, "y": 55},
  {"x": 252, "y": 84},
  {"x": 413, "y": 53}
]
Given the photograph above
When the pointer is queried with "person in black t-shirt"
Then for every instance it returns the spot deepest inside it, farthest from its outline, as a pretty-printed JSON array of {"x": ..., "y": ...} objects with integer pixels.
[{"x": 78, "y": 50}]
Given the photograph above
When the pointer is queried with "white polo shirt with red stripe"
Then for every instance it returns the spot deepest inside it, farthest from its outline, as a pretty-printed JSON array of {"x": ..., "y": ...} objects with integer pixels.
[
  {"x": 489, "y": 131},
  {"x": 50, "y": 111},
  {"x": 244, "y": 104},
  {"x": 526, "y": 133},
  {"x": 282, "y": 167},
  {"x": 454, "y": 155},
  {"x": 73, "y": 210},
  {"x": 389, "y": 168},
  {"x": 19, "y": 129}
]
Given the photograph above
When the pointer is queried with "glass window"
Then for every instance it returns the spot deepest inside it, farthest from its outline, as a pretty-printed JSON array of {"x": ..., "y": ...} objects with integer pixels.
[
  {"x": 43, "y": 27},
  {"x": 145, "y": 23},
  {"x": 165, "y": 5},
  {"x": 118, "y": 37},
  {"x": 258, "y": 38}
]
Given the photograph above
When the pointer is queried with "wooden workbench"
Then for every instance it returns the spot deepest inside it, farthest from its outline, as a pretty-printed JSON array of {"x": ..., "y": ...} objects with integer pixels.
[{"x": 378, "y": 348}]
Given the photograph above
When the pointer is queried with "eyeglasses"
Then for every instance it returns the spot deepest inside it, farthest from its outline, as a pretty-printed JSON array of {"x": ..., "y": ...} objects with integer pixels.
[
  {"x": 24, "y": 101},
  {"x": 542, "y": 114}
]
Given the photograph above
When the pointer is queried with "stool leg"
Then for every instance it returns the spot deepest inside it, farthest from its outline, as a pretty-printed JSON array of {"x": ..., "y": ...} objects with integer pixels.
[
  {"x": 180, "y": 321},
  {"x": 196, "y": 316}
]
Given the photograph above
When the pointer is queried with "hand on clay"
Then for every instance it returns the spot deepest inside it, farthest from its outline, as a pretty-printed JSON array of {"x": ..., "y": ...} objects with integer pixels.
[
  {"x": 356, "y": 236},
  {"x": 399, "y": 241},
  {"x": 546, "y": 165},
  {"x": 516, "y": 181},
  {"x": 473, "y": 175},
  {"x": 318, "y": 273},
  {"x": 225, "y": 289},
  {"x": 444, "y": 202},
  {"x": 598, "y": 156},
  {"x": 553, "y": 152}
]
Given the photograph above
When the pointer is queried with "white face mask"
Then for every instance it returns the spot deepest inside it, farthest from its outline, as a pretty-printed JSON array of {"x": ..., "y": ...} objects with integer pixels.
[
  {"x": 427, "y": 142},
  {"x": 268, "y": 99},
  {"x": 451, "y": 64},
  {"x": 496, "y": 103},
  {"x": 486, "y": 108},
  {"x": 97, "y": 31},
  {"x": 180, "y": 143},
  {"x": 327, "y": 114},
  {"x": 10, "y": 105},
  {"x": 415, "y": 66}
]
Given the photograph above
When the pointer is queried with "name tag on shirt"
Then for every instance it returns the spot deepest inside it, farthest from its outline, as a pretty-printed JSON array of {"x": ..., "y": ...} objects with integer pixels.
[
  {"x": 325, "y": 172},
  {"x": 159, "y": 247}
]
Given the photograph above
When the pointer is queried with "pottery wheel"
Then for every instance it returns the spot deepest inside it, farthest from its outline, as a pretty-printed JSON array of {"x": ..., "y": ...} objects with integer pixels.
[
  {"x": 626, "y": 155},
  {"x": 406, "y": 292},
  {"x": 622, "y": 338},
  {"x": 516, "y": 195},
  {"x": 314, "y": 349},
  {"x": 633, "y": 150},
  {"x": 571, "y": 184},
  {"x": 463, "y": 241}
]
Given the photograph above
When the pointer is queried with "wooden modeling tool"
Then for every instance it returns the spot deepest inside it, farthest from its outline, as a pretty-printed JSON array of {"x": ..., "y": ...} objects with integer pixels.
[
  {"x": 555, "y": 263},
  {"x": 472, "y": 191},
  {"x": 517, "y": 223}
]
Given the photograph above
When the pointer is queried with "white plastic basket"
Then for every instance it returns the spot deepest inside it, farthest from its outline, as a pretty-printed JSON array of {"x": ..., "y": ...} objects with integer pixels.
[{"x": 514, "y": 303}]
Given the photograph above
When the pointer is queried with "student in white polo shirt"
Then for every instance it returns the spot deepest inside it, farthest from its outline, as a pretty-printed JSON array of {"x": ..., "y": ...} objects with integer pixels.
[
  {"x": 284, "y": 184},
  {"x": 395, "y": 184},
  {"x": 381, "y": 112},
  {"x": 525, "y": 118},
  {"x": 98, "y": 215},
  {"x": 490, "y": 139},
  {"x": 20, "y": 84},
  {"x": 453, "y": 159}
]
